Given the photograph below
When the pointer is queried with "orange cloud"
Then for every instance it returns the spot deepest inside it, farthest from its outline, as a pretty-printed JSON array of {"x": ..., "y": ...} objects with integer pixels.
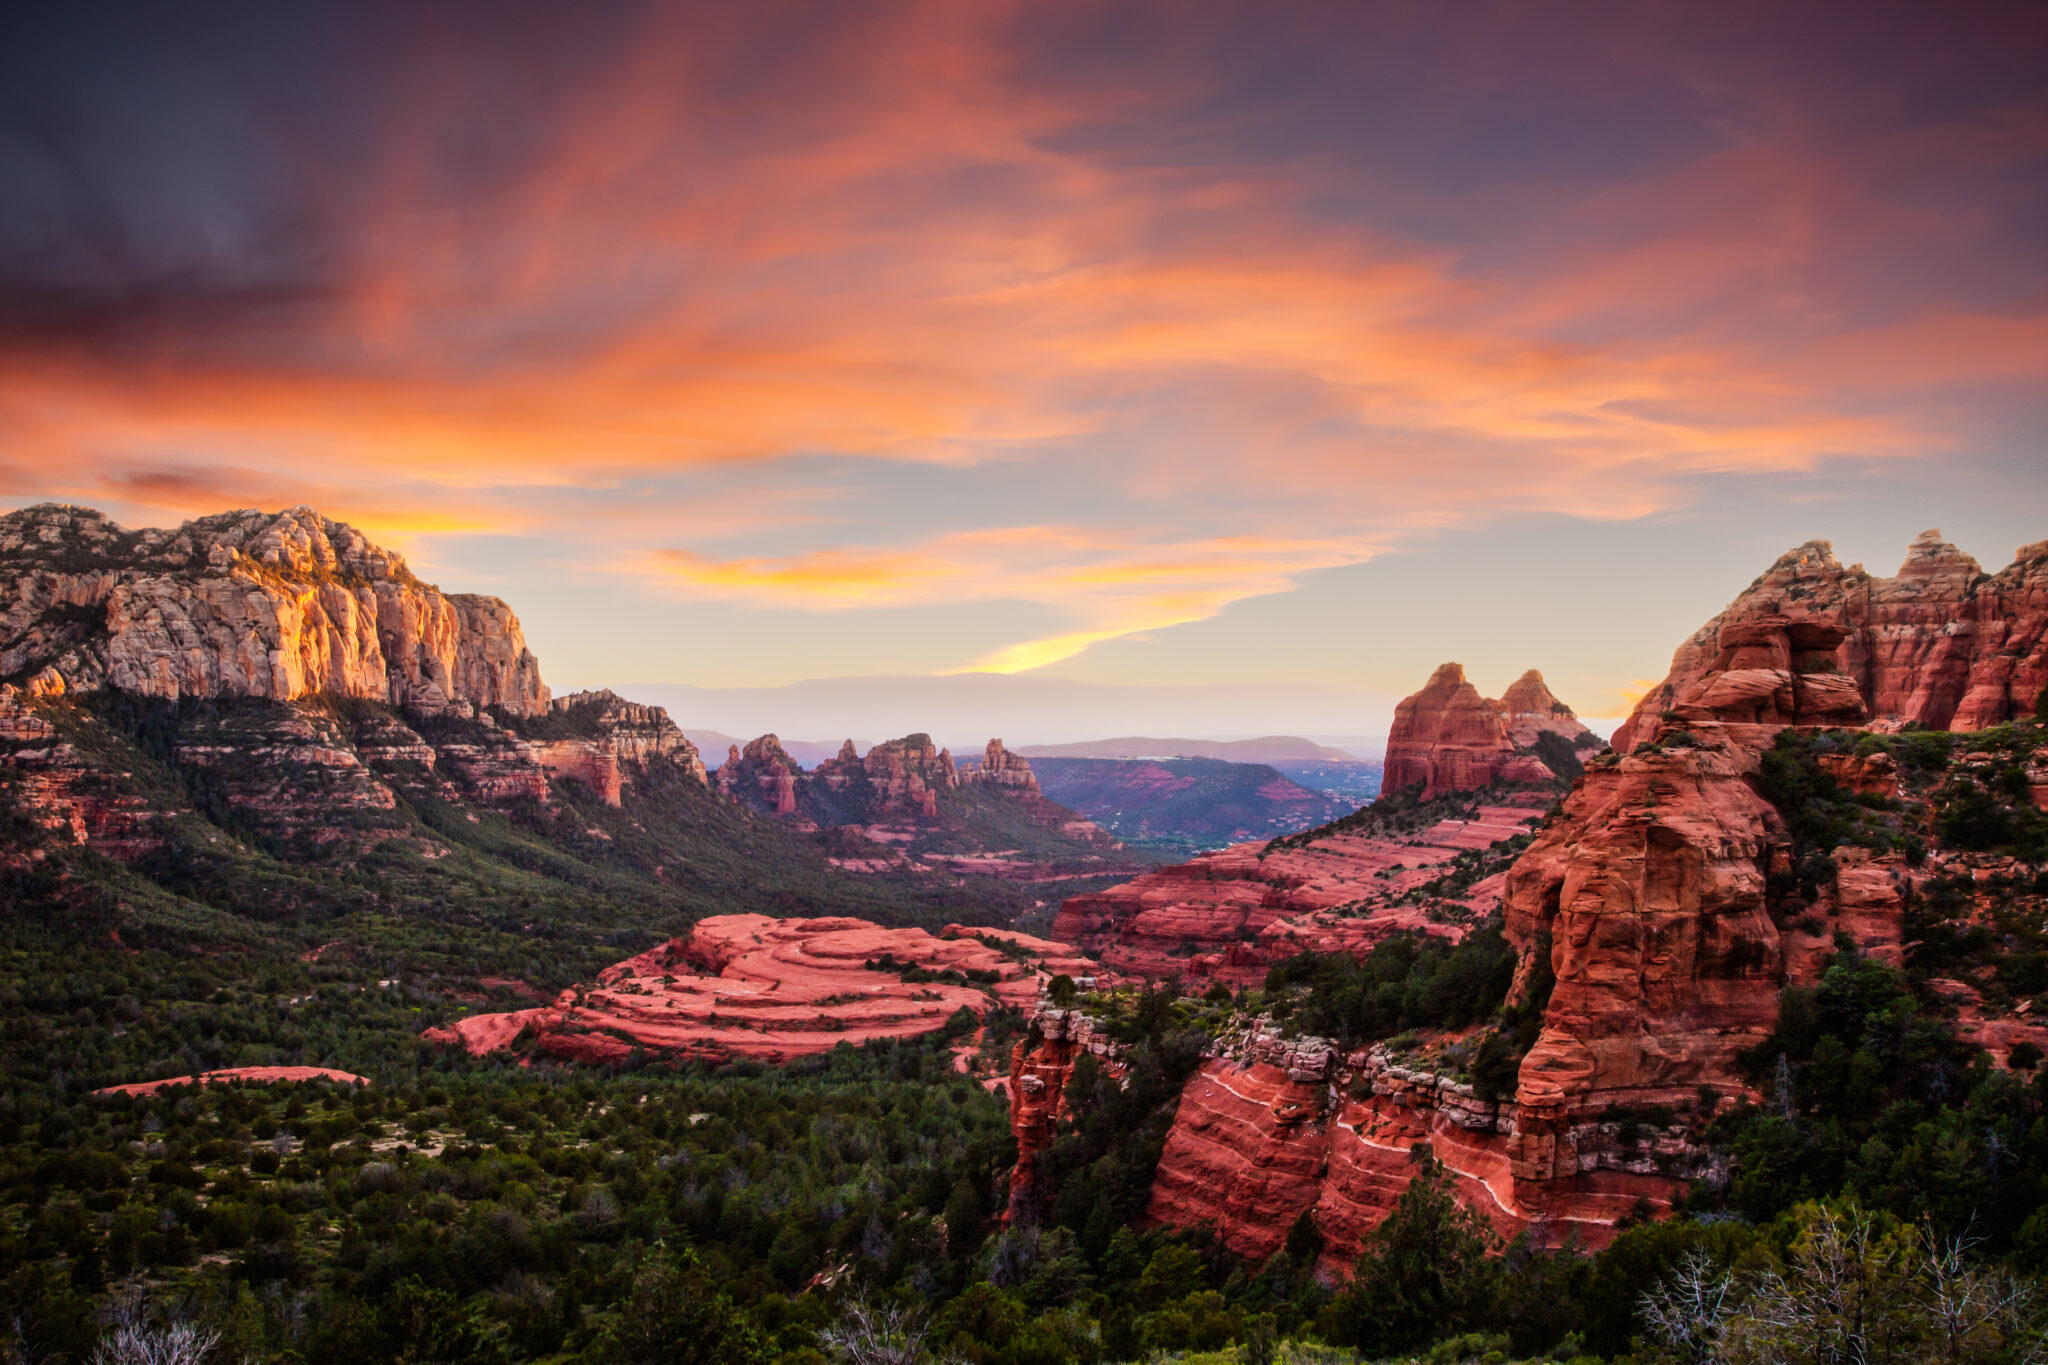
[{"x": 890, "y": 243}]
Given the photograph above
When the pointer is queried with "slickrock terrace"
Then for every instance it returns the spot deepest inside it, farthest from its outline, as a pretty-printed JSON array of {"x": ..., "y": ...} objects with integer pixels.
[{"x": 772, "y": 990}]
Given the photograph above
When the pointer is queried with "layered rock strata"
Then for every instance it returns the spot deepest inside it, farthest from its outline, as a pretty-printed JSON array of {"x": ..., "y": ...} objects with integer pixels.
[
  {"x": 1652, "y": 887},
  {"x": 1941, "y": 644},
  {"x": 1448, "y": 738},
  {"x": 249, "y": 604},
  {"x": 1229, "y": 915},
  {"x": 1272, "y": 1127},
  {"x": 1651, "y": 893},
  {"x": 772, "y": 990},
  {"x": 608, "y": 740}
]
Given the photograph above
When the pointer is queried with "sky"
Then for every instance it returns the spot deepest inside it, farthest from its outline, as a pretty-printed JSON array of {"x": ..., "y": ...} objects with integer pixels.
[{"x": 1251, "y": 358}]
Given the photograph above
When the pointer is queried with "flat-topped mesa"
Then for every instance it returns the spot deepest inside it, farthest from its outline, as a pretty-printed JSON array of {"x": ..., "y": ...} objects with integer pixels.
[
  {"x": 1652, "y": 888},
  {"x": 1448, "y": 738},
  {"x": 1000, "y": 768},
  {"x": 250, "y": 604}
]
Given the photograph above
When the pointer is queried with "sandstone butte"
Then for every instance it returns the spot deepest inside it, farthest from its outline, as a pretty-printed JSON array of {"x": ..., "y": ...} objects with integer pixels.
[
  {"x": 1449, "y": 738},
  {"x": 749, "y": 986},
  {"x": 1230, "y": 914},
  {"x": 1647, "y": 892},
  {"x": 902, "y": 791}
]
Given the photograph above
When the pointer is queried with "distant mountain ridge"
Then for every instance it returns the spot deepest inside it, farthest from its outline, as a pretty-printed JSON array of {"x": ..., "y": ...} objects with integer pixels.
[
  {"x": 1265, "y": 749},
  {"x": 1185, "y": 803}
]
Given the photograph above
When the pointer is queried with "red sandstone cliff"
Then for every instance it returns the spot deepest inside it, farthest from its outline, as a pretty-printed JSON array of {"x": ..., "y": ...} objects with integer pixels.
[
  {"x": 1652, "y": 887},
  {"x": 1651, "y": 890},
  {"x": 1229, "y": 915},
  {"x": 1942, "y": 644},
  {"x": 1448, "y": 738}
]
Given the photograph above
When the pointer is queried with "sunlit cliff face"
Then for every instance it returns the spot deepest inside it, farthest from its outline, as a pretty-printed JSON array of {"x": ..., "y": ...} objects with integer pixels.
[{"x": 1088, "y": 320}]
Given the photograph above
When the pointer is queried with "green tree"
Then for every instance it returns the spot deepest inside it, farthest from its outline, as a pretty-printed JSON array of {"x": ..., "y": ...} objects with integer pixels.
[
  {"x": 1424, "y": 1274},
  {"x": 676, "y": 1316}
]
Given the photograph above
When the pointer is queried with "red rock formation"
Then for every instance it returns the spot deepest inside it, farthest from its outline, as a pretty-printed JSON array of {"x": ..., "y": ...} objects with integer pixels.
[
  {"x": 613, "y": 740},
  {"x": 1231, "y": 914},
  {"x": 1941, "y": 644},
  {"x": 1651, "y": 890},
  {"x": 762, "y": 775},
  {"x": 1270, "y": 1128},
  {"x": 1000, "y": 768},
  {"x": 1041, "y": 1064},
  {"x": 906, "y": 775},
  {"x": 752, "y": 986},
  {"x": 248, "y": 604},
  {"x": 1448, "y": 738},
  {"x": 1865, "y": 774}
]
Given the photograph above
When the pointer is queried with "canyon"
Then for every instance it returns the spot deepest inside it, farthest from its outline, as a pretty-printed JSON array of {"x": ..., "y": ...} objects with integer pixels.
[{"x": 268, "y": 702}]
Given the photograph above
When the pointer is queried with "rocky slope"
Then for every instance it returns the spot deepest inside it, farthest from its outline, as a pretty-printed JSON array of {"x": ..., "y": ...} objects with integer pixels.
[
  {"x": 775, "y": 989},
  {"x": 1448, "y": 738},
  {"x": 1679, "y": 889},
  {"x": 1229, "y": 915}
]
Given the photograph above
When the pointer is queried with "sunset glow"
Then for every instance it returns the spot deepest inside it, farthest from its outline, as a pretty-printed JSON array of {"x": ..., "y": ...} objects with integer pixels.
[{"x": 1092, "y": 321}]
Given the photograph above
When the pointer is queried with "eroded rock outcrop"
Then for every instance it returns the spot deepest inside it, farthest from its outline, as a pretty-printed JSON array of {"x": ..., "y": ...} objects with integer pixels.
[
  {"x": 601, "y": 739},
  {"x": 1272, "y": 1127},
  {"x": 768, "y": 989},
  {"x": 1652, "y": 888},
  {"x": 249, "y": 604},
  {"x": 1448, "y": 738},
  {"x": 1663, "y": 900},
  {"x": 909, "y": 794},
  {"x": 1942, "y": 644},
  {"x": 1000, "y": 768}
]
